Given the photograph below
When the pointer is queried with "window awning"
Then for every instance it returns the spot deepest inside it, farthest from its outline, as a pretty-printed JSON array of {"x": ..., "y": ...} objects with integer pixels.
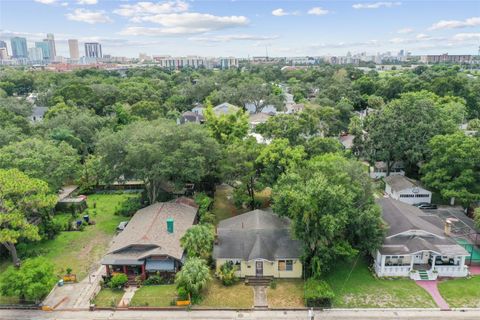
[{"x": 160, "y": 265}]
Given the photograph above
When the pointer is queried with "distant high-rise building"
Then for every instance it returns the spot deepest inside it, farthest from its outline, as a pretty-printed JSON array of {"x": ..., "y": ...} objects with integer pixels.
[
  {"x": 44, "y": 46},
  {"x": 19, "y": 47},
  {"x": 93, "y": 50},
  {"x": 35, "y": 54},
  {"x": 3, "y": 44},
  {"x": 73, "y": 46},
  {"x": 3, "y": 54},
  {"x": 51, "y": 44}
]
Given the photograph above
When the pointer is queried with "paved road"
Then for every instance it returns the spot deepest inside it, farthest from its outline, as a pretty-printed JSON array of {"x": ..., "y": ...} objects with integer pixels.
[{"x": 233, "y": 315}]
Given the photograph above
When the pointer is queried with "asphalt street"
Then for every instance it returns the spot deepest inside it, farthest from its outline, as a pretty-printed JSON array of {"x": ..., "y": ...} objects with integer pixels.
[{"x": 373, "y": 314}]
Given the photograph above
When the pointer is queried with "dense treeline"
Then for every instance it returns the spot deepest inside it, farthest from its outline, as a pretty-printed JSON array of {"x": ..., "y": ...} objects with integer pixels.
[{"x": 108, "y": 126}]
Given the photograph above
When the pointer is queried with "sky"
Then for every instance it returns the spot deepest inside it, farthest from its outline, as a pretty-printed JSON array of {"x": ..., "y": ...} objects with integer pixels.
[{"x": 244, "y": 28}]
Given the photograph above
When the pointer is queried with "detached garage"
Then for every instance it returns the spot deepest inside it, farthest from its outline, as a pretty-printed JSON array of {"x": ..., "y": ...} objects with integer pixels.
[{"x": 406, "y": 190}]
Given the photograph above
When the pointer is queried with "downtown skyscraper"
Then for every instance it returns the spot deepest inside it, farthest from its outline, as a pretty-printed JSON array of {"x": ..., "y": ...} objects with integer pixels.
[
  {"x": 73, "y": 48},
  {"x": 93, "y": 50},
  {"x": 19, "y": 47}
]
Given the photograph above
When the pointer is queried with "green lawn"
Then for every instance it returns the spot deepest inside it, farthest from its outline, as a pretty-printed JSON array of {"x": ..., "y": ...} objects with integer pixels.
[
  {"x": 461, "y": 292},
  {"x": 361, "y": 289},
  {"x": 287, "y": 294},
  {"x": 223, "y": 206},
  {"x": 81, "y": 250},
  {"x": 236, "y": 296},
  {"x": 154, "y": 296},
  {"x": 107, "y": 298}
]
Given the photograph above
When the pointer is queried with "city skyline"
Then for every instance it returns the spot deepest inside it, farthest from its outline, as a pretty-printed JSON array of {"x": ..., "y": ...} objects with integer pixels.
[{"x": 247, "y": 28}]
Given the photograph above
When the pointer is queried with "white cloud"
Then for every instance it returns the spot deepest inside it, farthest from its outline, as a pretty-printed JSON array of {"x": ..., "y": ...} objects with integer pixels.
[
  {"x": 46, "y": 1},
  {"x": 279, "y": 12},
  {"x": 233, "y": 37},
  {"x": 376, "y": 5},
  {"x": 87, "y": 2},
  {"x": 422, "y": 36},
  {"x": 150, "y": 8},
  {"x": 454, "y": 24},
  {"x": 192, "y": 22},
  {"x": 64, "y": 4},
  {"x": 405, "y": 30},
  {"x": 466, "y": 37},
  {"x": 87, "y": 16},
  {"x": 318, "y": 11}
]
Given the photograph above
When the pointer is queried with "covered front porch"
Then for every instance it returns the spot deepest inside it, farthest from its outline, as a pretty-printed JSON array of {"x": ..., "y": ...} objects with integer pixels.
[
  {"x": 421, "y": 265},
  {"x": 166, "y": 267}
]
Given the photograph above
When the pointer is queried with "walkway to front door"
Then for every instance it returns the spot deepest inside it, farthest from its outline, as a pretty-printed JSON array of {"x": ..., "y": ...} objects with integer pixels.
[
  {"x": 432, "y": 289},
  {"x": 260, "y": 297}
]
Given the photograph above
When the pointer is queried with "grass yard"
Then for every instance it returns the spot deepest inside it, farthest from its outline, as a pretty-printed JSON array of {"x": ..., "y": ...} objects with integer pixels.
[
  {"x": 223, "y": 206},
  {"x": 287, "y": 294},
  {"x": 461, "y": 292},
  {"x": 82, "y": 250},
  {"x": 154, "y": 296},
  {"x": 361, "y": 289},
  {"x": 236, "y": 296},
  {"x": 107, "y": 298}
]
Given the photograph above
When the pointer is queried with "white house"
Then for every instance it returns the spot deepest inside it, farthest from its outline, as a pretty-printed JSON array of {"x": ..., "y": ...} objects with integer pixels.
[
  {"x": 415, "y": 247},
  {"x": 406, "y": 190},
  {"x": 38, "y": 113},
  {"x": 225, "y": 108},
  {"x": 379, "y": 169}
]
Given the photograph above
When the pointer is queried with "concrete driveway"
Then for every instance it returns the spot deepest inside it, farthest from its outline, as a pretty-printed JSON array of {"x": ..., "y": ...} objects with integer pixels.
[{"x": 75, "y": 295}]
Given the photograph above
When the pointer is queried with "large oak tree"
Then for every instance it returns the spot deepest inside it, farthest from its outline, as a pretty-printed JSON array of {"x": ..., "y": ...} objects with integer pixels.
[
  {"x": 330, "y": 202},
  {"x": 157, "y": 152}
]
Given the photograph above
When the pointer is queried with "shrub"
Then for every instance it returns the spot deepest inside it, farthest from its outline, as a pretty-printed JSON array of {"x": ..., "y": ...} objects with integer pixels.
[
  {"x": 273, "y": 284},
  {"x": 318, "y": 293},
  {"x": 204, "y": 202},
  {"x": 193, "y": 277},
  {"x": 118, "y": 281},
  {"x": 226, "y": 274},
  {"x": 208, "y": 218},
  {"x": 128, "y": 207},
  {"x": 32, "y": 281},
  {"x": 69, "y": 270},
  {"x": 182, "y": 293},
  {"x": 154, "y": 280}
]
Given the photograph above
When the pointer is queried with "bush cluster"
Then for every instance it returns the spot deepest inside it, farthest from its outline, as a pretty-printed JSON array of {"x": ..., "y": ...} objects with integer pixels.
[
  {"x": 128, "y": 207},
  {"x": 318, "y": 293},
  {"x": 226, "y": 274}
]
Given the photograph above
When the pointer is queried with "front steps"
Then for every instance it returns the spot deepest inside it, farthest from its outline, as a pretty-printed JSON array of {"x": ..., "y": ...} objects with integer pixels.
[
  {"x": 258, "y": 281},
  {"x": 423, "y": 275}
]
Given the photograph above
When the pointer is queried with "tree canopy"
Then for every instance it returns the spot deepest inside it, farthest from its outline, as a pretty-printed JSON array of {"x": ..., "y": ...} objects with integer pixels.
[
  {"x": 453, "y": 167},
  {"x": 330, "y": 202},
  {"x": 31, "y": 282},
  {"x": 158, "y": 152},
  {"x": 23, "y": 201},
  {"x": 55, "y": 163}
]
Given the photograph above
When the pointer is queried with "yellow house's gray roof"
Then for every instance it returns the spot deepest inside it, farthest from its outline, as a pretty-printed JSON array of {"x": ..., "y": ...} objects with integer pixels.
[{"x": 259, "y": 234}]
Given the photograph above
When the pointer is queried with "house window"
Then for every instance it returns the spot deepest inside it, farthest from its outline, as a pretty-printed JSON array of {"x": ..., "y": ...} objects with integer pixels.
[
  {"x": 285, "y": 265},
  {"x": 236, "y": 264}
]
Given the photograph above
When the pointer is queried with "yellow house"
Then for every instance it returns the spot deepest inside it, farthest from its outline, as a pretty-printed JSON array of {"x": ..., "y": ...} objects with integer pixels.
[{"x": 259, "y": 244}]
